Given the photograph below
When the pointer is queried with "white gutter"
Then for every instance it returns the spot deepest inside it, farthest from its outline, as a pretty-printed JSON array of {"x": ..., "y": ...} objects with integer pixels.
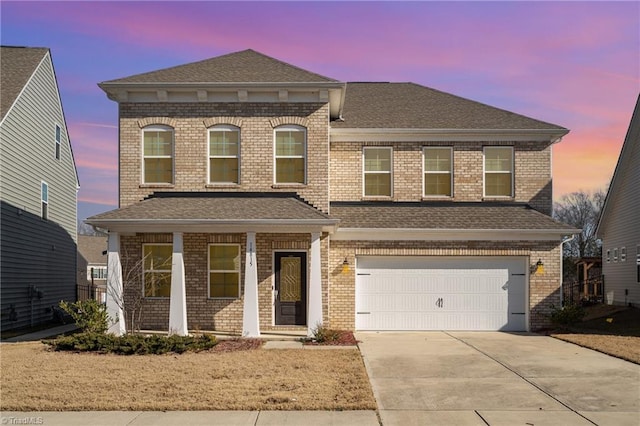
[
  {"x": 339, "y": 134},
  {"x": 565, "y": 240},
  {"x": 412, "y": 234}
]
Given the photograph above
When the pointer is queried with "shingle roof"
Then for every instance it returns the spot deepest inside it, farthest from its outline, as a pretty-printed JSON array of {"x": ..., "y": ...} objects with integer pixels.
[
  {"x": 436, "y": 215},
  {"x": 409, "y": 105},
  {"x": 247, "y": 66},
  {"x": 212, "y": 206},
  {"x": 91, "y": 248},
  {"x": 17, "y": 65}
]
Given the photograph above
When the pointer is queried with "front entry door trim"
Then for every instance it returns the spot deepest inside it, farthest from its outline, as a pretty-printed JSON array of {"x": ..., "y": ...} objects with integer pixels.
[{"x": 290, "y": 287}]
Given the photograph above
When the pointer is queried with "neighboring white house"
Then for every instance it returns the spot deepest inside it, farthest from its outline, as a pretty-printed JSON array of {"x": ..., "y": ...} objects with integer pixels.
[
  {"x": 39, "y": 185},
  {"x": 619, "y": 225}
]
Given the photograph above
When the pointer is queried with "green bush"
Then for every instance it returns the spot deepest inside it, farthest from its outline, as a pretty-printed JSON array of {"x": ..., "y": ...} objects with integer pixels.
[
  {"x": 89, "y": 315},
  {"x": 567, "y": 315},
  {"x": 132, "y": 344}
]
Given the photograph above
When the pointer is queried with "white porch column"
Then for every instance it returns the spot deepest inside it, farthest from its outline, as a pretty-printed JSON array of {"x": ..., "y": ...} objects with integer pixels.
[
  {"x": 250, "y": 317},
  {"x": 178, "y": 298},
  {"x": 115, "y": 292},
  {"x": 314, "y": 319}
]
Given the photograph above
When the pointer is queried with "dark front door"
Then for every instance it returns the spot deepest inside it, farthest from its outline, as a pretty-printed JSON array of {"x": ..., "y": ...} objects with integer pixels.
[{"x": 291, "y": 288}]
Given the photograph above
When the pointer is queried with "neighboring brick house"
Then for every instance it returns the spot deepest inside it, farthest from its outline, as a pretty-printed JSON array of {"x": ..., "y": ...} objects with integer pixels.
[{"x": 259, "y": 196}]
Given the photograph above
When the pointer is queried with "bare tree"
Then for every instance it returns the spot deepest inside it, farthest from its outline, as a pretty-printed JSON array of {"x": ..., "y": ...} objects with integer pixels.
[{"x": 581, "y": 210}]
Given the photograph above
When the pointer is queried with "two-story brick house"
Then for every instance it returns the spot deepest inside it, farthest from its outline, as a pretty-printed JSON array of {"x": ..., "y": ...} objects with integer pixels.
[{"x": 255, "y": 195}]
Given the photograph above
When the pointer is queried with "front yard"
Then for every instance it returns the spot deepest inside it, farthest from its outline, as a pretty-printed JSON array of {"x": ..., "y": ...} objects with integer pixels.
[
  {"x": 608, "y": 329},
  {"x": 37, "y": 379}
]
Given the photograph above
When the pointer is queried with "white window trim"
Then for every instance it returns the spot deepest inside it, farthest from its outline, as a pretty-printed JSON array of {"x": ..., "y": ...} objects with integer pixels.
[
  {"x": 154, "y": 270},
  {"x": 390, "y": 172},
  {"x": 623, "y": 254},
  {"x": 43, "y": 185},
  {"x": 484, "y": 173},
  {"x": 615, "y": 254},
  {"x": 57, "y": 153},
  {"x": 287, "y": 128},
  {"x": 425, "y": 172},
  {"x": 209, "y": 270},
  {"x": 224, "y": 128},
  {"x": 95, "y": 269},
  {"x": 156, "y": 128},
  {"x": 608, "y": 255}
]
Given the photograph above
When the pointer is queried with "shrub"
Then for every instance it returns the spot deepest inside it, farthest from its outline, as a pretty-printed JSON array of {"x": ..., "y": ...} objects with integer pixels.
[
  {"x": 567, "y": 315},
  {"x": 131, "y": 344},
  {"x": 326, "y": 336},
  {"x": 89, "y": 315}
]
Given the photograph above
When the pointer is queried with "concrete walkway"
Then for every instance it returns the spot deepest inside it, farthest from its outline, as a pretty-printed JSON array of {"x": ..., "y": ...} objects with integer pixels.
[
  {"x": 43, "y": 334},
  {"x": 476, "y": 378}
]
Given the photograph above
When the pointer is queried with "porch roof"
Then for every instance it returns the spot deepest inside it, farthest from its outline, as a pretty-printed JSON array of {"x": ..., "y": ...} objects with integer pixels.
[
  {"x": 445, "y": 220},
  {"x": 217, "y": 212}
]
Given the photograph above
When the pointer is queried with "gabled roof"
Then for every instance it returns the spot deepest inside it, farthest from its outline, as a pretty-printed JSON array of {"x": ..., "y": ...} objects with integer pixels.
[
  {"x": 412, "y": 106},
  {"x": 279, "y": 211},
  {"x": 239, "y": 67},
  {"x": 631, "y": 142},
  {"x": 17, "y": 65}
]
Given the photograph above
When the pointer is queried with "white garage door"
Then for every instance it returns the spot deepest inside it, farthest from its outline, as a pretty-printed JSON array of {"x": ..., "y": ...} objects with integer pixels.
[{"x": 441, "y": 293}]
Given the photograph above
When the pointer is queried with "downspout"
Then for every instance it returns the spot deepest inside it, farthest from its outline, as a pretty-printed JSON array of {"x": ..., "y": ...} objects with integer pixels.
[{"x": 565, "y": 240}]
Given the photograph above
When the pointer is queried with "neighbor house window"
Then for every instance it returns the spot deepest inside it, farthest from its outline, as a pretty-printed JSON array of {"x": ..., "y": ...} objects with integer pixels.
[
  {"x": 608, "y": 256},
  {"x": 498, "y": 171},
  {"x": 224, "y": 154},
  {"x": 615, "y": 254},
  {"x": 638, "y": 263},
  {"x": 623, "y": 254},
  {"x": 224, "y": 270},
  {"x": 157, "y": 163},
  {"x": 377, "y": 171},
  {"x": 437, "y": 172},
  {"x": 157, "y": 269},
  {"x": 58, "y": 141},
  {"x": 290, "y": 154},
  {"x": 44, "y": 200},
  {"x": 97, "y": 273}
]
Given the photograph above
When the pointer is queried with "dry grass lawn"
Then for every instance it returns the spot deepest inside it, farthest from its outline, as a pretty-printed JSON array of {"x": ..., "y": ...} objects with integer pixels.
[
  {"x": 37, "y": 379},
  {"x": 625, "y": 347}
]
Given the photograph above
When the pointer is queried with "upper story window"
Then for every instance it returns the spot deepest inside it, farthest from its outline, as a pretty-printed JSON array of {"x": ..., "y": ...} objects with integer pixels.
[
  {"x": 58, "y": 141},
  {"x": 378, "y": 171},
  {"x": 156, "y": 276},
  {"x": 438, "y": 172},
  {"x": 157, "y": 163},
  {"x": 224, "y": 154},
  {"x": 44, "y": 200},
  {"x": 290, "y": 155},
  {"x": 224, "y": 270},
  {"x": 498, "y": 171}
]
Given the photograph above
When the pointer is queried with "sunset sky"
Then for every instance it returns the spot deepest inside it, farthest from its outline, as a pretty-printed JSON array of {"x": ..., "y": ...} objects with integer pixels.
[{"x": 575, "y": 64}]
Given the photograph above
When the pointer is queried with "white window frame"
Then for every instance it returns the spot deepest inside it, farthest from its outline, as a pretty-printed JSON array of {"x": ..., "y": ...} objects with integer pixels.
[
  {"x": 484, "y": 172},
  {"x": 364, "y": 172},
  {"x": 58, "y": 141},
  {"x": 290, "y": 128},
  {"x": 222, "y": 128},
  {"x": 159, "y": 128},
  {"x": 44, "y": 200},
  {"x": 144, "y": 270},
  {"x": 615, "y": 254},
  {"x": 425, "y": 171},
  {"x": 608, "y": 255},
  {"x": 102, "y": 272},
  {"x": 623, "y": 254},
  {"x": 209, "y": 270}
]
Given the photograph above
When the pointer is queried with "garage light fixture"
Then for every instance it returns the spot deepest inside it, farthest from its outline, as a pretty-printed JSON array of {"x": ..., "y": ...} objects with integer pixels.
[
  {"x": 539, "y": 267},
  {"x": 345, "y": 266}
]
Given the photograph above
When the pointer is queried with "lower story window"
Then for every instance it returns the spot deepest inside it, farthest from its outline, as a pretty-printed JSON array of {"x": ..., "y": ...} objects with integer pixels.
[
  {"x": 157, "y": 269},
  {"x": 224, "y": 270}
]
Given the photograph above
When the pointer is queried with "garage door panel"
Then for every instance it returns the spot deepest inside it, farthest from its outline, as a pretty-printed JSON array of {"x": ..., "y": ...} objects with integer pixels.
[{"x": 429, "y": 293}]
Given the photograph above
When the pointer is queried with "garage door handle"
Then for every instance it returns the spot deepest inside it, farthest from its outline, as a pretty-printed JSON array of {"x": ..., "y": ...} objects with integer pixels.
[{"x": 440, "y": 302}]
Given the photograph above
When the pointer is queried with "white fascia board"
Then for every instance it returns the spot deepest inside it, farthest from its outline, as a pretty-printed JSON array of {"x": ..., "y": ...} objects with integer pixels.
[
  {"x": 432, "y": 135},
  {"x": 408, "y": 234},
  {"x": 216, "y": 226}
]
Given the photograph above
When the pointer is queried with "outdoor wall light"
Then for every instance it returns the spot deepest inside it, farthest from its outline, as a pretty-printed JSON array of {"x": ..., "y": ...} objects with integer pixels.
[
  {"x": 539, "y": 267},
  {"x": 345, "y": 266}
]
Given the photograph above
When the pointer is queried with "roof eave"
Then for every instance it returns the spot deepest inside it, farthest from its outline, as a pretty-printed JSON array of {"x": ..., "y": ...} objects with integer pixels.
[
  {"x": 341, "y": 134},
  {"x": 441, "y": 234}
]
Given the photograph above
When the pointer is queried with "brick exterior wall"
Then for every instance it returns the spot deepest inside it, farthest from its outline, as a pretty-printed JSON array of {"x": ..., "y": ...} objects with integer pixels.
[
  {"x": 543, "y": 288},
  {"x": 204, "y": 313},
  {"x": 256, "y": 121},
  {"x": 532, "y": 171}
]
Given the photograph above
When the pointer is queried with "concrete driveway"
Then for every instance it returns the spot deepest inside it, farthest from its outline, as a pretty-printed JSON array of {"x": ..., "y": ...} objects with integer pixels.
[{"x": 492, "y": 378}]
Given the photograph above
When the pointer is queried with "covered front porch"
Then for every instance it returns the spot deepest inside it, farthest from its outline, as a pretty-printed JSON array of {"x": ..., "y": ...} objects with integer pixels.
[{"x": 218, "y": 262}]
